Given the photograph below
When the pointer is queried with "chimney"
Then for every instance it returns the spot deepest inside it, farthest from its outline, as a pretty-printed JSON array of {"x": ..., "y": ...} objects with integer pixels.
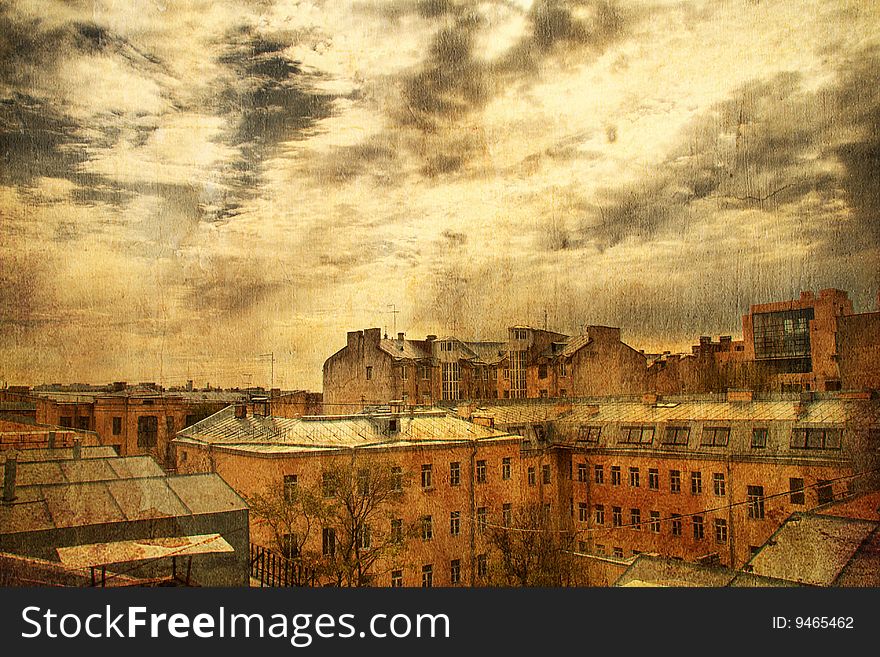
[
  {"x": 51, "y": 440},
  {"x": 400, "y": 336},
  {"x": 650, "y": 398},
  {"x": 9, "y": 477},
  {"x": 241, "y": 411},
  {"x": 77, "y": 448},
  {"x": 431, "y": 338}
]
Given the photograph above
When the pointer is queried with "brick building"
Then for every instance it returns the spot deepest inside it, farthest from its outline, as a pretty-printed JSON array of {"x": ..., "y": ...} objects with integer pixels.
[
  {"x": 531, "y": 363},
  {"x": 133, "y": 421},
  {"x": 701, "y": 479},
  {"x": 457, "y": 478}
]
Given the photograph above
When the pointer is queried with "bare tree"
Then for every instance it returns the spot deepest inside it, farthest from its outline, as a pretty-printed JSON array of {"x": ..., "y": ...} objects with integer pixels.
[
  {"x": 362, "y": 508},
  {"x": 534, "y": 550},
  {"x": 341, "y": 529}
]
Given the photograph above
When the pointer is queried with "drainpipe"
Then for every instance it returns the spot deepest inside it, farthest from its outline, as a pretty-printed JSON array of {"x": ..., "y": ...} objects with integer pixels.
[
  {"x": 51, "y": 440},
  {"x": 9, "y": 470},
  {"x": 77, "y": 448},
  {"x": 730, "y": 515},
  {"x": 473, "y": 511}
]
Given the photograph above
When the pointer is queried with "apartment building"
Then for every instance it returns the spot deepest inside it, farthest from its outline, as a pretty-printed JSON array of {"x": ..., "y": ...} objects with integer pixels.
[
  {"x": 456, "y": 480},
  {"x": 705, "y": 479},
  {"x": 141, "y": 420},
  {"x": 530, "y": 363}
]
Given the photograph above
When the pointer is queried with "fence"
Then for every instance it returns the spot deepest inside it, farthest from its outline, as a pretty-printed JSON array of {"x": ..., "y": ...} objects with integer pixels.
[{"x": 272, "y": 569}]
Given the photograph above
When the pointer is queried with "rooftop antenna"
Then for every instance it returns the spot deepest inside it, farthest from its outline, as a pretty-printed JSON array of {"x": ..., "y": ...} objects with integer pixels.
[
  {"x": 394, "y": 313},
  {"x": 271, "y": 355}
]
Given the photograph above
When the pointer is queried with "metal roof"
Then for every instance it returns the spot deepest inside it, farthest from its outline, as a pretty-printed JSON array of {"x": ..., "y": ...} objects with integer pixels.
[
  {"x": 812, "y": 549},
  {"x": 112, "y": 552},
  {"x": 57, "y": 471},
  {"x": 276, "y": 434},
  {"x": 43, "y": 507}
]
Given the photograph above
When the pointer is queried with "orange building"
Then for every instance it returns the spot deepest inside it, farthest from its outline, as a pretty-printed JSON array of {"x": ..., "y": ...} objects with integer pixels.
[
  {"x": 701, "y": 479},
  {"x": 457, "y": 479}
]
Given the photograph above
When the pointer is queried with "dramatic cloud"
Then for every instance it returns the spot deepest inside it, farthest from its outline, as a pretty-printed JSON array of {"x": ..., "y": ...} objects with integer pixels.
[{"x": 185, "y": 186}]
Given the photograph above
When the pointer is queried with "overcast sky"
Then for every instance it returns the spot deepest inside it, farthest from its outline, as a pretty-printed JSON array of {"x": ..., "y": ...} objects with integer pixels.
[{"x": 187, "y": 185}]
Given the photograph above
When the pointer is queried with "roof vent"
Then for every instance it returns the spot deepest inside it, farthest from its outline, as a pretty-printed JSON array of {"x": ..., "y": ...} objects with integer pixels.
[{"x": 241, "y": 411}]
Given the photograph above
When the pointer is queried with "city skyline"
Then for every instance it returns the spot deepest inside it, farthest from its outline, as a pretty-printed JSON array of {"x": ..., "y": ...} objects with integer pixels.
[{"x": 186, "y": 188}]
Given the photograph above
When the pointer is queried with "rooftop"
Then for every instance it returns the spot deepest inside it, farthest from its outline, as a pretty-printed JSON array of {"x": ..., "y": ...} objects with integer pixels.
[{"x": 269, "y": 434}]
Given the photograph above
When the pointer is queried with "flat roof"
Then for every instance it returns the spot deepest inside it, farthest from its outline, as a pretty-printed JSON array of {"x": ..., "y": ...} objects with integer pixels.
[{"x": 113, "y": 552}]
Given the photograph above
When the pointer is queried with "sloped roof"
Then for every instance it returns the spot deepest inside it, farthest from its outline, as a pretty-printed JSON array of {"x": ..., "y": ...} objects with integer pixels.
[
  {"x": 813, "y": 549},
  {"x": 42, "y": 507},
  {"x": 411, "y": 349},
  {"x": 279, "y": 435}
]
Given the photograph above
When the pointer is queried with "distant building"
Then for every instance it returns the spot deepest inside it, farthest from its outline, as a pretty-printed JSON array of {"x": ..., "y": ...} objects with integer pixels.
[{"x": 531, "y": 363}]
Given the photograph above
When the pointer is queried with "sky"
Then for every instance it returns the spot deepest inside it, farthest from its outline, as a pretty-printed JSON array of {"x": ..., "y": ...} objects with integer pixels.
[{"x": 188, "y": 186}]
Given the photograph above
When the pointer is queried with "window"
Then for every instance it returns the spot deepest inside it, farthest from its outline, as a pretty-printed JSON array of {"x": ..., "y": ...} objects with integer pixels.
[
  {"x": 117, "y": 426},
  {"x": 455, "y": 523},
  {"x": 365, "y": 537},
  {"x": 148, "y": 431},
  {"x": 455, "y": 571},
  {"x": 328, "y": 484},
  {"x": 756, "y": 502},
  {"x": 427, "y": 528},
  {"x": 696, "y": 483},
  {"x": 655, "y": 522},
  {"x": 599, "y": 472},
  {"x": 506, "y": 514},
  {"x": 427, "y": 470},
  {"x": 403, "y": 373},
  {"x": 481, "y": 472},
  {"x": 454, "y": 473},
  {"x": 363, "y": 482},
  {"x": 676, "y": 436},
  {"x": 289, "y": 546},
  {"x": 815, "y": 438},
  {"x": 482, "y": 515},
  {"x": 716, "y": 436},
  {"x": 66, "y": 421},
  {"x": 563, "y": 392},
  {"x": 718, "y": 484},
  {"x": 582, "y": 471},
  {"x": 582, "y": 547},
  {"x": 169, "y": 424},
  {"x": 600, "y": 514},
  {"x": 426, "y": 372},
  {"x": 563, "y": 368},
  {"x": 675, "y": 481},
  {"x": 676, "y": 524},
  {"x": 615, "y": 475},
  {"x": 600, "y": 549},
  {"x": 582, "y": 511},
  {"x": 783, "y": 335},
  {"x": 720, "y": 530},
  {"x": 618, "y": 552},
  {"x": 290, "y": 483},
  {"x": 699, "y": 533},
  {"x": 369, "y": 372},
  {"x": 542, "y": 371},
  {"x": 634, "y": 477},
  {"x": 796, "y": 490},
  {"x": 397, "y": 530},
  {"x": 397, "y": 479},
  {"x": 450, "y": 374},
  {"x": 82, "y": 422},
  {"x": 427, "y": 576},
  {"x": 482, "y": 565},
  {"x": 328, "y": 542},
  {"x": 505, "y": 468},
  {"x": 616, "y": 516},
  {"x": 759, "y": 438},
  {"x": 540, "y": 431},
  {"x": 825, "y": 491},
  {"x": 532, "y": 480},
  {"x": 588, "y": 434},
  {"x": 653, "y": 479},
  {"x": 637, "y": 435},
  {"x": 635, "y": 519},
  {"x": 545, "y": 474}
]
